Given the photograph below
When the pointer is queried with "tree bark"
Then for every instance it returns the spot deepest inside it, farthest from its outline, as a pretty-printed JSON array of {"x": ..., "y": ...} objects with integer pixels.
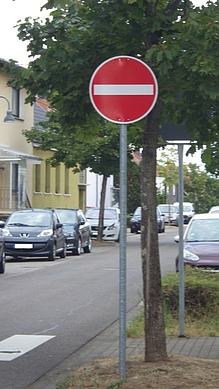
[
  {"x": 101, "y": 213},
  {"x": 155, "y": 340}
]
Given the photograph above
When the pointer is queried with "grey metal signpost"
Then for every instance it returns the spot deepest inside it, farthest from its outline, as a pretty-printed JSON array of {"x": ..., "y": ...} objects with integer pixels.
[
  {"x": 173, "y": 136},
  {"x": 123, "y": 90},
  {"x": 181, "y": 262},
  {"x": 122, "y": 247}
]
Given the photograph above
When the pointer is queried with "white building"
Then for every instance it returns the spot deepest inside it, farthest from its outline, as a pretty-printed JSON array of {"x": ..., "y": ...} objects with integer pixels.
[{"x": 93, "y": 192}]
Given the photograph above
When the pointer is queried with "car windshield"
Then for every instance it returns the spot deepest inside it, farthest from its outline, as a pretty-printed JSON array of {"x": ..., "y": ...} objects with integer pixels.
[
  {"x": 30, "y": 219},
  {"x": 108, "y": 214},
  {"x": 187, "y": 208},
  {"x": 167, "y": 208},
  {"x": 138, "y": 212},
  {"x": 203, "y": 230},
  {"x": 67, "y": 216},
  {"x": 214, "y": 210}
]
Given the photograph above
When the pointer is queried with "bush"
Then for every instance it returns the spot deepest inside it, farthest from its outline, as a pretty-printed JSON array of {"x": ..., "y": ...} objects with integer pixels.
[
  {"x": 128, "y": 220},
  {"x": 201, "y": 293}
]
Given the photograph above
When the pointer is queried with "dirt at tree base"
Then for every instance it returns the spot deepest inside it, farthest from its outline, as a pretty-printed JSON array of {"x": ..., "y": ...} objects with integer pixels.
[{"x": 177, "y": 372}]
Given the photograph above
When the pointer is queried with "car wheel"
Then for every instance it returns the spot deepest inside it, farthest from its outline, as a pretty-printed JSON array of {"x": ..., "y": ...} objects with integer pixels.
[
  {"x": 88, "y": 248},
  {"x": 2, "y": 263},
  {"x": 63, "y": 252},
  {"x": 77, "y": 251},
  {"x": 117, "y": 240},
  {"x": 52, "y": 254}
]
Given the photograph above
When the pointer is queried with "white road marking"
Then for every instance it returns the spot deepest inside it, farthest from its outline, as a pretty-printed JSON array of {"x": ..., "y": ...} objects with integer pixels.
[
  {"x": 123, "y": 89},
  {"x": 18, "y": 345}
]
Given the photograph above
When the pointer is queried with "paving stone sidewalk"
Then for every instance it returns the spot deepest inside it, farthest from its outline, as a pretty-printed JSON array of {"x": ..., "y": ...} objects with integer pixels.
[{"x": 106, "y": 344}]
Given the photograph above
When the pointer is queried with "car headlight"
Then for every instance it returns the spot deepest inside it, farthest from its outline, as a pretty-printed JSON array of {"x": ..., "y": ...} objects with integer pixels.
[
  {"x": 112, "y": 227},
  {"x": 46, "y": 233},
  {"x": 6, "y": 232},
  {"x": 190, "y": 256}
]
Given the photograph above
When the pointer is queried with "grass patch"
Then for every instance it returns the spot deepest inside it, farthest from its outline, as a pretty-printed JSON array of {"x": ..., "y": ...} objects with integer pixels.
[{"x": 201, "y": 305}]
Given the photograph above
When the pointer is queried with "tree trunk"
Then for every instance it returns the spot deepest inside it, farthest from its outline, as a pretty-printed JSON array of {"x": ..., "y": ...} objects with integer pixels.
[
  {"x": 101, "y": 213},
  {"x": 155, "y": 340}
]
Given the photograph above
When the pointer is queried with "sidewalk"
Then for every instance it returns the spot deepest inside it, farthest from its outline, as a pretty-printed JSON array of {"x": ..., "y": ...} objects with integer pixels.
[{"x": 106, "y": 344}]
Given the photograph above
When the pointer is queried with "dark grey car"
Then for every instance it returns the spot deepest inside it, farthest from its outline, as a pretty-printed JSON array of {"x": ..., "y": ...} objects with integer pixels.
[
  {"x": 2, "y": 254},
  {"x": 135, "y": 222},
  {"x": 76, "y": 228},
  {"x": 34, "y": 233}
]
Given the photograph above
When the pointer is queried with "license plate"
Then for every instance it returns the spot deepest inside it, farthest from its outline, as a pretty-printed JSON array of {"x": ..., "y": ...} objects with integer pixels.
[{"x": 23, "y": 246}]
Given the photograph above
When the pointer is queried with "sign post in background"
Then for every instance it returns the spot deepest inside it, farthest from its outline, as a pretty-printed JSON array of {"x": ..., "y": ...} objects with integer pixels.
[{"x": 123, "y": 90}]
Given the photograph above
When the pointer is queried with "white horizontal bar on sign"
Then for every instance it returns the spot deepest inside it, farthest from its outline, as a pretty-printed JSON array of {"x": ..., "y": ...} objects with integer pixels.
[{"x": 123, "y": 89}]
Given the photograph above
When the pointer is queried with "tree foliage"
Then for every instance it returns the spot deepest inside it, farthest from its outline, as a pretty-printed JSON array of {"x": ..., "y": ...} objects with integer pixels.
[
  {"x": 100, "y": 154},
  {"x": 200, "y": 187},
  {"x": 179, "y": 42},
  {"x": 133, "y": 185}
]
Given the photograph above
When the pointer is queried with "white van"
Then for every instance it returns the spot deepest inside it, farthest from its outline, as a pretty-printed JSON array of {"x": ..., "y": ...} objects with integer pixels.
[
  {"x": 188, "y": 211},
  {"x": 169, "y": 211}
]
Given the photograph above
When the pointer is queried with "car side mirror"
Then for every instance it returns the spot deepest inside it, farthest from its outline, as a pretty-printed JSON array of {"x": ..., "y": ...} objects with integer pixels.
[
  {"x": 176, "y": 239},
  {"x": 81, "y": 223},
  {"x": 2, "y": 224}
]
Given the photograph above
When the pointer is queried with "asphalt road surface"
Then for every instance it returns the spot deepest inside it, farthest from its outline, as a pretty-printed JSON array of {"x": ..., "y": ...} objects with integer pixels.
[{"x": 51, "y": 309}]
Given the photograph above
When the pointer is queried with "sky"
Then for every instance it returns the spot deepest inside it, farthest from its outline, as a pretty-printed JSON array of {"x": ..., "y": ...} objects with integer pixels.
[{"x": 12, "y": 11}]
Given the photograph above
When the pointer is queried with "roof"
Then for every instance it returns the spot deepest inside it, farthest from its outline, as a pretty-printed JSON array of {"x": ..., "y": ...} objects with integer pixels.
[
  {"x": 43, "y": 104},
  {"x": 214, "y": 209},
  {"x": 9, "y": 154},
  {"x": 200, "y": 216}
]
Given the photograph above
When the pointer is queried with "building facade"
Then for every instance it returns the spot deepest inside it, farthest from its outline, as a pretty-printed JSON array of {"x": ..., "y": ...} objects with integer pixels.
[
  {"x": 56, "y": 187},
  {"x": 16, "y": 155}
]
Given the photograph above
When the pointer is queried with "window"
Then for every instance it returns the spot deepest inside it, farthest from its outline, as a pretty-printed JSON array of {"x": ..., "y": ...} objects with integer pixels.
[
  {"x": 47, "y": 177},
  {"x": 57, "y": 180},
  {"x": 81, "y": 217},
  {"x": 37, "y": 178},
  {"x": 81, "y": 177},
  {"x": 17, "y": 102},
  {"x": 14, "y": 178},
  {"x": 66, "y": 180}
]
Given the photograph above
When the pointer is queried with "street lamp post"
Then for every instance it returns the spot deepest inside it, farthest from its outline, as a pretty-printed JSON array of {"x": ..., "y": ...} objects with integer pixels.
[{"x": 9, "y": 118}]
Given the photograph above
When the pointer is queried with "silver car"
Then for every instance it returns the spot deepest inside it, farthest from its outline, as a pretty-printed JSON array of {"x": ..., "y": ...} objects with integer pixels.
[
  {"x": 111, "y": 223},
  {"x": 169, "y": 212}
]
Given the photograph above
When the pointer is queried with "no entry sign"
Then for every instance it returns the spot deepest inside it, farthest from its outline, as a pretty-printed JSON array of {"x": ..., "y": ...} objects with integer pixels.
[{"x": 123, "y": 89}]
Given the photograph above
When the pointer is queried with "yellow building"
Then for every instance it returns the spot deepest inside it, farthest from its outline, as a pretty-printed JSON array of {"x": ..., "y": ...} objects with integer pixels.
[
  {"x": 16, "y": 155},
  {"x": 26, "y": 179},
  {"x": 56, "y": 187}
]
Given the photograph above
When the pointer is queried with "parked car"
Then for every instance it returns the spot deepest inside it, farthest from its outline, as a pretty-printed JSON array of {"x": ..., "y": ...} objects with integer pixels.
[
  {"x": 77, "y": 230},
  {"x": 111, "y": 223},
  {"x": 188, "y": 211},
  {"x": 201, "y": 242},
  {"x": 2, "y": 254},
  {"x": 34, "y": 233},
  {"x": 214, "y": 209},
  {"x": 135, "y": 222},
  {"x": 160, "y": 221},
  {"x": 170, "y": 213}
]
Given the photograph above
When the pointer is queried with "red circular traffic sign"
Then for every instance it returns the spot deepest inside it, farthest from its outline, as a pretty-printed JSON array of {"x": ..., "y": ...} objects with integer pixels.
[{"x": 123, "y": 89}]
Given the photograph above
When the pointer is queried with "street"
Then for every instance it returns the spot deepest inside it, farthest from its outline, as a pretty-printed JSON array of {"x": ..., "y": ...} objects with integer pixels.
[{"x": 54, "y": 308}]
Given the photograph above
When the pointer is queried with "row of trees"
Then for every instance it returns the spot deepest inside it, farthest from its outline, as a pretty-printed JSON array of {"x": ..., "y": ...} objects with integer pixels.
[
  {"x": 200, "y": 186},
  {"x": 179, "y": 42}
]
